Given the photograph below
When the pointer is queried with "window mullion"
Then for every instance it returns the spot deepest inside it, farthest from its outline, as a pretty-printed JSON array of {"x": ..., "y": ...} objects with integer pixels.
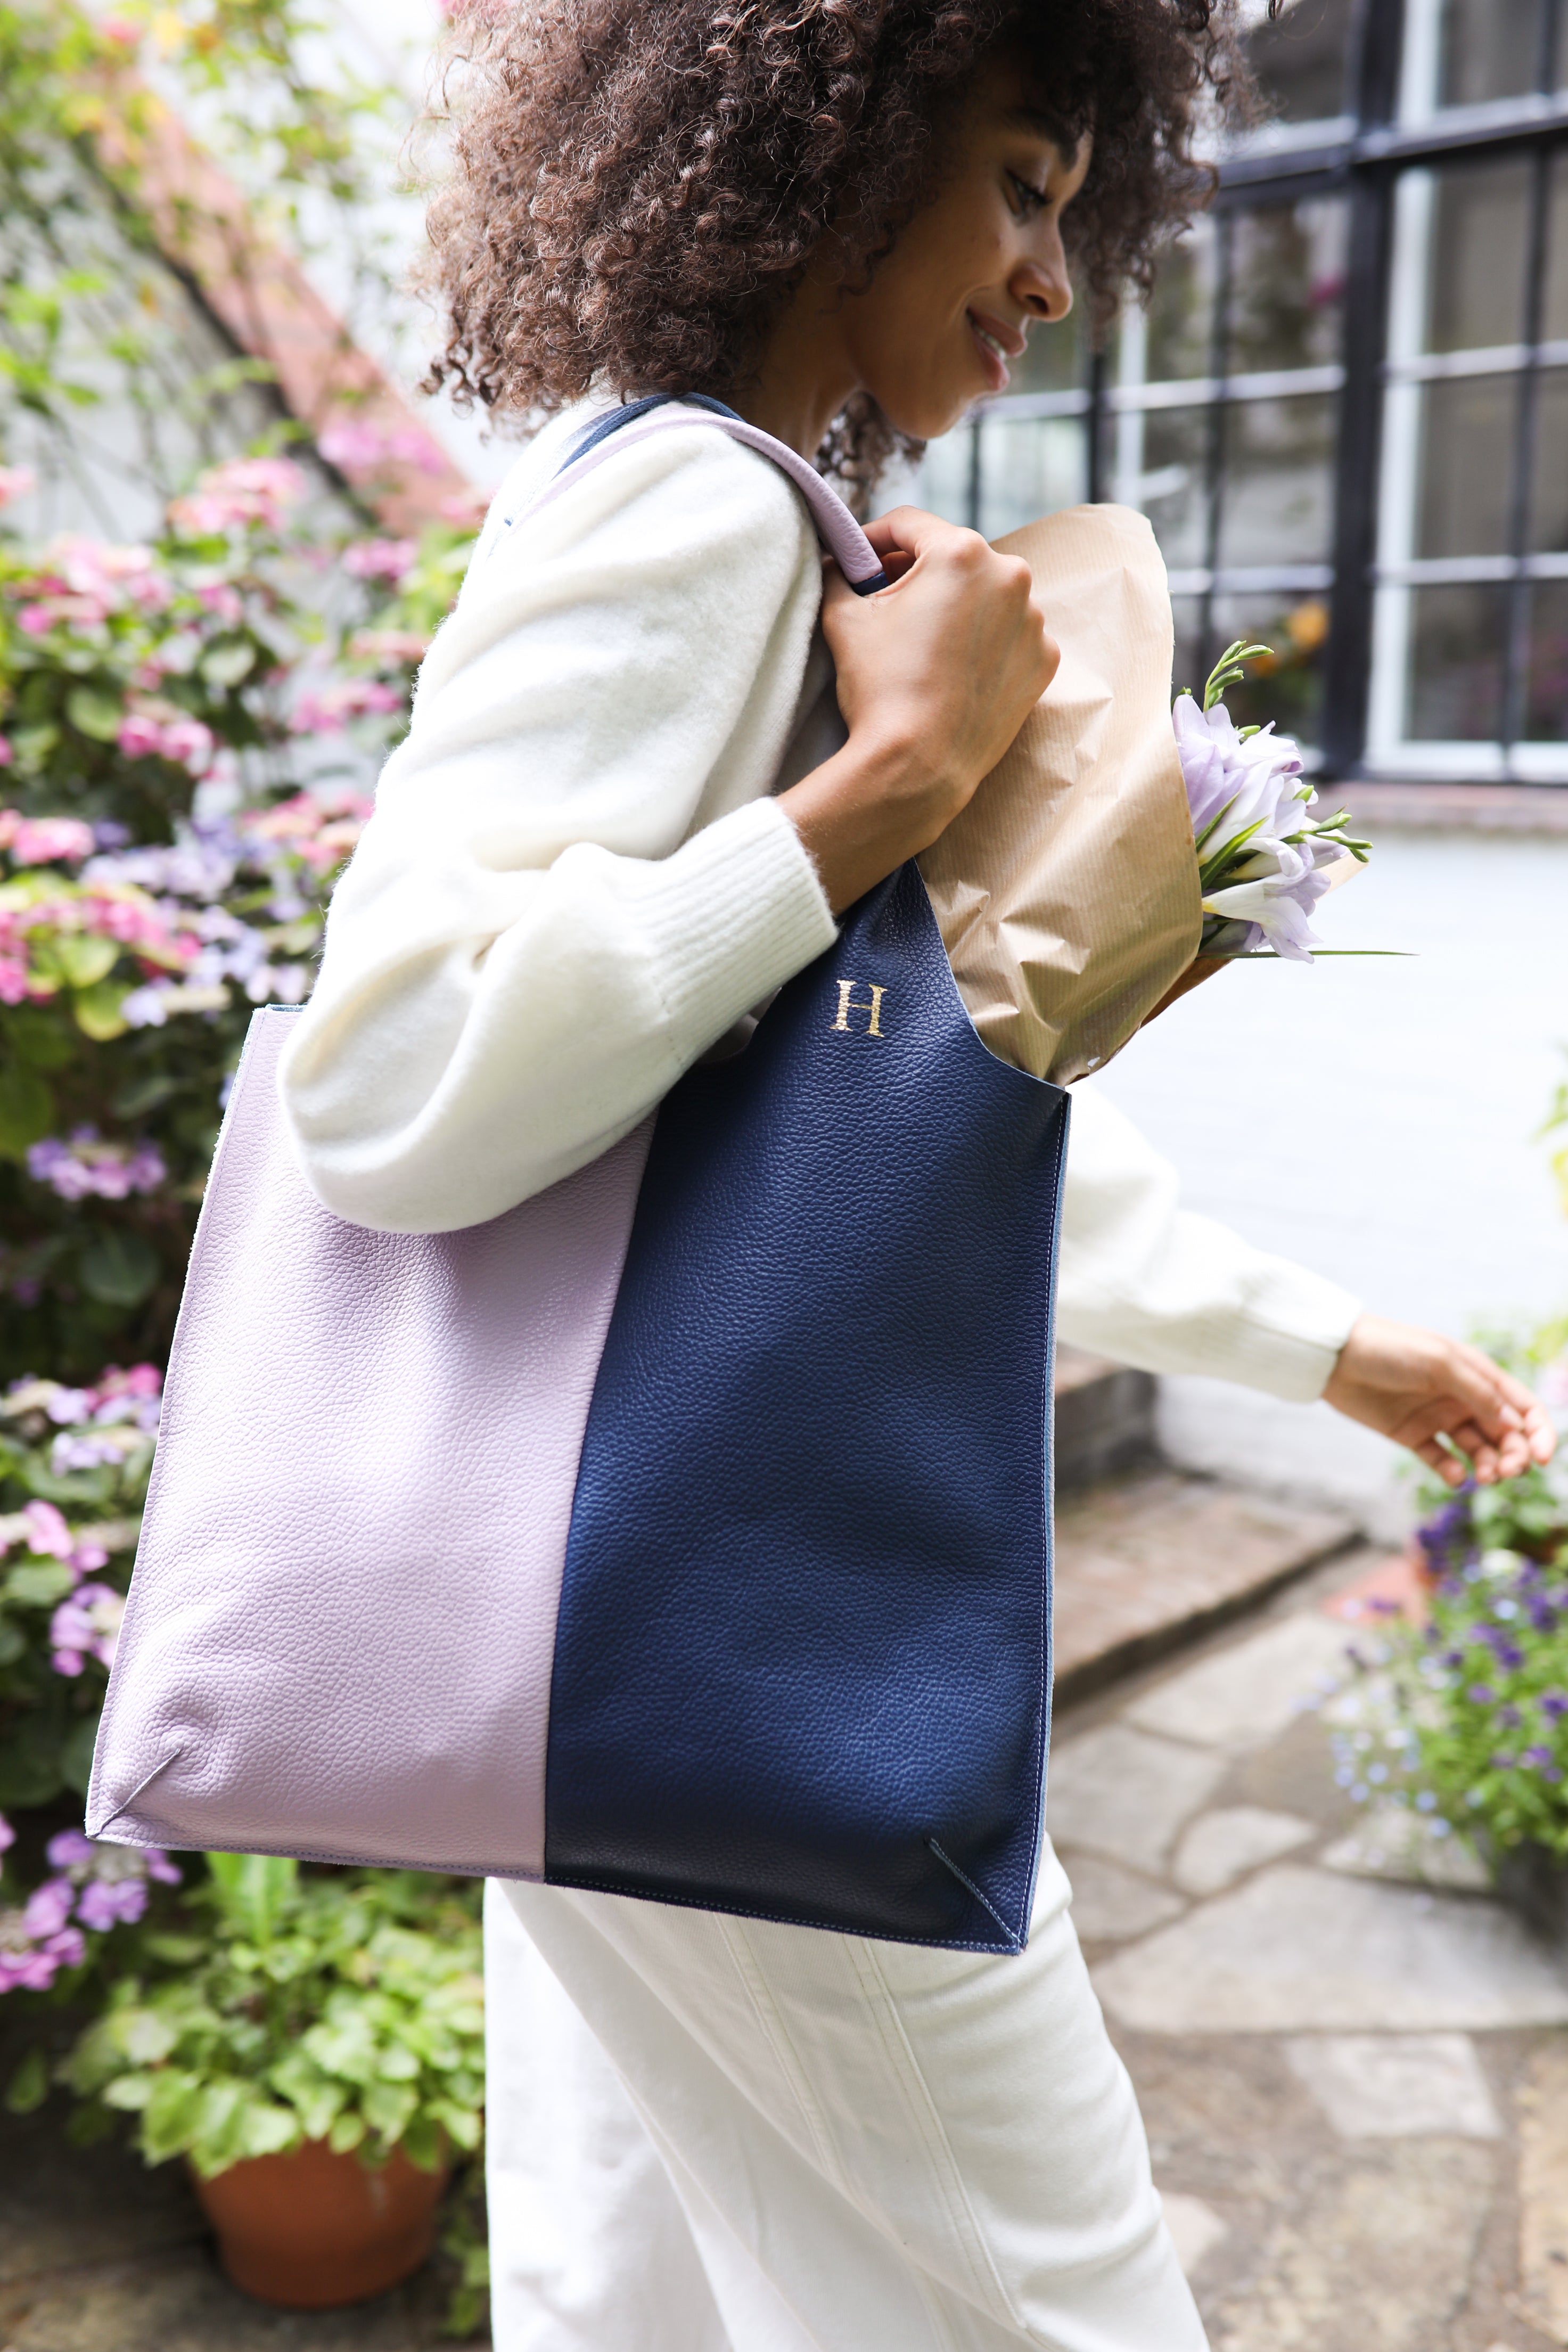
[{"x": 1516, "y": 682}]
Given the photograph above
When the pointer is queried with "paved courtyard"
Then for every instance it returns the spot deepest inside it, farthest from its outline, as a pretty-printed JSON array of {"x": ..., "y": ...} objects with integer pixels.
[{"x": 1355, "y": 2083}]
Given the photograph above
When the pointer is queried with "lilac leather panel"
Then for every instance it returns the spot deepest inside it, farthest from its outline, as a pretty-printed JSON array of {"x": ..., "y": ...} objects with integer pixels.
[{"x": 303, "y": 1585}]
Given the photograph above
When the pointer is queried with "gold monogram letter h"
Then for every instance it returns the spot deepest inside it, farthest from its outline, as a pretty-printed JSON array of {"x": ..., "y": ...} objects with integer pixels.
[{"x": 849, "y": 1004}]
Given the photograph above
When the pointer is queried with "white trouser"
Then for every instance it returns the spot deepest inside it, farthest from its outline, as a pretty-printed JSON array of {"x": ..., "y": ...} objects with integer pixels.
[{"x": 734, "y": 2137}]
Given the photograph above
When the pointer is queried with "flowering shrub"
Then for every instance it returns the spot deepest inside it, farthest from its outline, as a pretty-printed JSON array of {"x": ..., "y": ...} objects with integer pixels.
[
  {"x": 187, "y": 733},
  {"x": 85, "y": 1451},
  {"x": 92, "y": 1890}
]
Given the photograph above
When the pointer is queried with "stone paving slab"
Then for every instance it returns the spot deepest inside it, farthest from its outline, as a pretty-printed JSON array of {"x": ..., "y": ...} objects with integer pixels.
[
  {"x": 1297, "y": 1947},
  {"x": 1142, "y": 1566}
]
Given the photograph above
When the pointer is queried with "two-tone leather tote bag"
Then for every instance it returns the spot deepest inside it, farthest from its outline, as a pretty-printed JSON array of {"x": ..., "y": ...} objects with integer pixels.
[{"x": 683, "y": 1532}]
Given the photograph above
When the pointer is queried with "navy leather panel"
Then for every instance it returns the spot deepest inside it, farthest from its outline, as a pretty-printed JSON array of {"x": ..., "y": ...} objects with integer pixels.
[{"x": 803, "y": 1648}]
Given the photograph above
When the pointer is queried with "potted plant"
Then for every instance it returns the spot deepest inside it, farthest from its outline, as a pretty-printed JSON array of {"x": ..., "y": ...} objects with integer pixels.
[
  {"x": 1464, "y": 1720},
  {"x": 312, "y": 2043}
]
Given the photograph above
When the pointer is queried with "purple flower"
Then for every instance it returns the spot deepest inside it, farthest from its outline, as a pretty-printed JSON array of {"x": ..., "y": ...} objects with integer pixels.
[
  {"x": 1503, "y": 1761},
  {"x": 1544, "y": 1761},
  {"x": 68, "y": 1847},
  {"x": 1481, "y": 1694},
  {"x": 48, "y": 1907},
  {"x": 107, "y": 1902},
  {"x": 7, "y": 1835},
  {"x": 1510, "y": 1717},
  {"x": 1553, "y": 1703},
  {"x": 158, "y": 1866}
]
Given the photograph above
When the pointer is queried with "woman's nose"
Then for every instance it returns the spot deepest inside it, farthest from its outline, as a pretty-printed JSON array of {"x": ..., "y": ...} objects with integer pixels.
[{"x": 1041, "y": 286}]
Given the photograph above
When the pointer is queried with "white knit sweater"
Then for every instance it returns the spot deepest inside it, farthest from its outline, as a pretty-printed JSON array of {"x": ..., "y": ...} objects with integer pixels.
[{"x": 575, "y": 881}]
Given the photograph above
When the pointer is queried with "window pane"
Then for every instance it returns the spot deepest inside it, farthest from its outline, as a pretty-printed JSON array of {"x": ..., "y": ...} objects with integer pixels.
[
  {"x": 1182, "y": 307},
  {"x": 1467, "y": 453},
  {"x": 1188, "y": 668},
  {"x": 1554, "y": 304},
  {"x": 1172, "y": 492},
  {"x": 1056, "y": 360},
  {"x": 1279, "y": 482},
  {"x": 1030, "y": 469},
  {"x": 1300, "y": 59},
  {"x": 942, "y": 485},
  {"x": 1287, "y": 687},
  {"x": 1546, "y": 707},
  {"x": 1489, "y": 49},
  {"x": 1287, "y": 286},
  {"x": 1475, "y": 274},
  {"x": 1458, "y": 642}
]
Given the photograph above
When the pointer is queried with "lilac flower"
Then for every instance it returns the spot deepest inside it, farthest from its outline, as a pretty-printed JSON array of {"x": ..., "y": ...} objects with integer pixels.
[
  {"x": 86, "y": 1626},
  {"x": 69, "y": 1847},
  {"x": 108, "y": 1903},
  {"x": 48, "y": 1906},
  {"x": 1481, "y": 1694},
  {"x": 1544, "y": 1761},
  {"x": 1554, "y": 1705},
  {"x": 84, "y": 1167},
  {"x": 1510, "y": 1717}
]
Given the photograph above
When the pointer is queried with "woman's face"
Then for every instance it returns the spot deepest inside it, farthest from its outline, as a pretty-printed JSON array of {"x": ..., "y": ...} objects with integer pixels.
[{"x": 974, "y": 270}]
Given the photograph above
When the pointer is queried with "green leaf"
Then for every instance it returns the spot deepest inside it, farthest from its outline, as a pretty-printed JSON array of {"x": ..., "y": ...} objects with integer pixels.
[
  {"x": 29, "y": 2085},
  {"x": 130, "y": 2092},
  {"x": 26, "y": 1110},
  {"x": 254, "y": 1890},
  {"x": 39, "y": 1583},
  {"x": 94, "y": 712},
  {"x": 266, "y": 2129},
  {"x": 225, "y": 664},
  {"x": 118, "y": 1268},
  {"x": 172, "y": 2114},
  {"x": 146, "y": 2036},
  {"x": 387, "y": 2109},
  {"x": 76, "y": 1753},
  {"x": 12, "y": 1641},
  {"x": 97, "y": 1010},
  {"x": 81, "y": 958},
  {"x": 346, "y": 2133}
]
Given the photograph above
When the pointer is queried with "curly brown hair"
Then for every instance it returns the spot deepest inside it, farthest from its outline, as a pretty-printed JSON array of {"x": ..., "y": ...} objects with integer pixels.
[{"x": 639, "y": 184}]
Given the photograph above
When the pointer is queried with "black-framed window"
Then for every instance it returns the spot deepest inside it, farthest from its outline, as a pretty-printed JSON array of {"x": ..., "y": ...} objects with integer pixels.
[{"x": 1346, "y": 410}]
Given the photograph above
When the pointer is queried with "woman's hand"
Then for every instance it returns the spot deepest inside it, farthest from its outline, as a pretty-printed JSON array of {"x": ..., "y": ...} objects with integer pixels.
[
  {"x": 1416, "y": 1386},
  {"x": 935, "y": 676}
]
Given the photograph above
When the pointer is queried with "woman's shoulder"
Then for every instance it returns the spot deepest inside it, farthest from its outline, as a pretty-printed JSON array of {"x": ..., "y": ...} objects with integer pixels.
[{"x": 674, "y": 479}]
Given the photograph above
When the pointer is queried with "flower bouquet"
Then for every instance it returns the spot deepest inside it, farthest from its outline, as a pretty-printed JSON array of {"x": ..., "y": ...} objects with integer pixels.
[{"x": 1263, "y": 864}]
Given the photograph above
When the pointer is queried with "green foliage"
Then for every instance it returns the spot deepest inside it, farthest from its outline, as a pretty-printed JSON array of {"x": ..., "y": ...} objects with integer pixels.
[{"x": 343, "y": 2006}]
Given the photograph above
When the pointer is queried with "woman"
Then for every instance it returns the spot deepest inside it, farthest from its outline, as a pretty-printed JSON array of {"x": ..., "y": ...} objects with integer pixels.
[{"x": 623, "y": 815}]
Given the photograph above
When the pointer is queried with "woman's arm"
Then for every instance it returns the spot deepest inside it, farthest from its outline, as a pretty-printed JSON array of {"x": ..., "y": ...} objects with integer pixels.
[
  {"x": 573, "y": 881},
  {"x": 1148, "y": 1283}
]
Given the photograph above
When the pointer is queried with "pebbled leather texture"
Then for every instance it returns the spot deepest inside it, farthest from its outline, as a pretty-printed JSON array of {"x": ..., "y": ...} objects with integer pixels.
[
  {"x": 802, "y": 1649},
  {"x": 341, "y": 1623}
]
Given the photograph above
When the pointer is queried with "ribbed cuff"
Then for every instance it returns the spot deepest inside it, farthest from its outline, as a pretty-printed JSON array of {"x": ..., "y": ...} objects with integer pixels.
[
  {"x": 733, "y": 913},
  {"x": 1288, "y": 1338}
]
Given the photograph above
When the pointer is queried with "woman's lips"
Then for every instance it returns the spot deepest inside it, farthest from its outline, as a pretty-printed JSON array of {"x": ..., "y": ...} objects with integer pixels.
[{"x": 988, "y": 339}]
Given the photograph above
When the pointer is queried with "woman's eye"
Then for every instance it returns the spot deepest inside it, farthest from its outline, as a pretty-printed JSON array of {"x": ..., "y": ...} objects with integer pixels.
[{"x": 1031, "y": 199}]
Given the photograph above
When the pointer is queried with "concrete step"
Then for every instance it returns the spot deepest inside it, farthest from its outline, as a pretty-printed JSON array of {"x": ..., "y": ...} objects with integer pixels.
[
  {"x": 1152, "y": 1560},
  {"x": 1104, "y": 1418}
]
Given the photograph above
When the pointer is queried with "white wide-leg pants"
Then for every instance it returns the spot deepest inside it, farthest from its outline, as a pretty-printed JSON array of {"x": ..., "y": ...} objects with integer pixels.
[{"x": 718, "y": 2135}]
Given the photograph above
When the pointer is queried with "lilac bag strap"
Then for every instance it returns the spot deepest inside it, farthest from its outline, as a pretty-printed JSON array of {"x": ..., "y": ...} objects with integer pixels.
[{"x": 837, "y": 529}]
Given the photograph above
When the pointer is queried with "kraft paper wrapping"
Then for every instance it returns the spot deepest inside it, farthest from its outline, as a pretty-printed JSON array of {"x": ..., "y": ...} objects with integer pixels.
[{"x": 1067, "y": 892}]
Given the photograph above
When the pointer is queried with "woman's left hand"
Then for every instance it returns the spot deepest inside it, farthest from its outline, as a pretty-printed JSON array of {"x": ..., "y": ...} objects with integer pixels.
[{"x": 1417, "y": 1387}]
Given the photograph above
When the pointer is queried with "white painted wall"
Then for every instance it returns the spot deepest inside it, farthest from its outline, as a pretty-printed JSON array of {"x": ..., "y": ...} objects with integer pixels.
[{"x": 1375, "y": 1120}]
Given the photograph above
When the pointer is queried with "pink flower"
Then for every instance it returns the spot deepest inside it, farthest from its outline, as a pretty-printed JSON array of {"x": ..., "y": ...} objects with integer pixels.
[
  {"x": 121, "y": 32},
  {"x": 7, "y": 1835},
  {"x": 358, "y": 447},
  {"x": 346, "y": 699},
  {"x": 37, "y": 840},
  {"x": 46, "y": 1532},
  {"x": 68, "y": 1847},
  {"x": 85, "y": 1168},
  {"x": 381, "y": 559},
  {"x": 223, "y": 601},
  {"x": 16, "y": 482},
  {"x": 6, "y": 753},
  {"x": 36, "y": 620},
  {"x": 392, "y": 647},
  {"x": 246, "y": 490},
  {"x": 155, "y": 730}
]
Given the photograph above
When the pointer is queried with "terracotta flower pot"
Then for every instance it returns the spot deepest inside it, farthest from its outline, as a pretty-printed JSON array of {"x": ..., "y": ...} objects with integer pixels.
[{"x": 312, "y": 2229}]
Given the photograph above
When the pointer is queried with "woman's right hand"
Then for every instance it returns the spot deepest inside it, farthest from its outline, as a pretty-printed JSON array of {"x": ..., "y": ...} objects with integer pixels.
[{"x": 935, "y": 676}]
